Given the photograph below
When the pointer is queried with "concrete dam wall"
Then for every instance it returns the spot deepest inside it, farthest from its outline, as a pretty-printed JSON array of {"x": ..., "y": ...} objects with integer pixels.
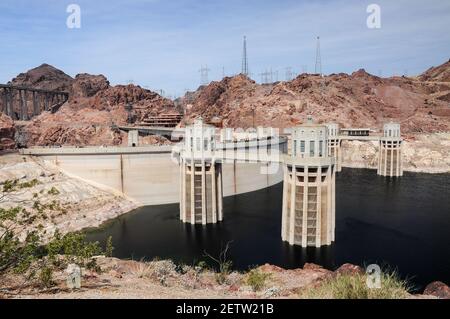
[{"x": 149, "y": 175}]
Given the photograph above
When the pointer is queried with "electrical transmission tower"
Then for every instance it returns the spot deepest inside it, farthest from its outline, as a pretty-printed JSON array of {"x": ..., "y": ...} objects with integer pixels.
[
  {"x": 265, "y": 77},
  {"x": 204, "y": 75},
  {"x": 289, "y": 74},
  {"x": 245, "y": 58},
  {"x": 304, "y": 69},
  {"x": 318, "y": 69}
]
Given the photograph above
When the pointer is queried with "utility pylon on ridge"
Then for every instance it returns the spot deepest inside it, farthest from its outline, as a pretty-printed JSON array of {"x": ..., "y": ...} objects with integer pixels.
[
  {"x": 318, "y": 69},
  {"x": 289, "y": 74},
  {"x": 204, "y": 75},
  {"x": 245, "y": 58}
]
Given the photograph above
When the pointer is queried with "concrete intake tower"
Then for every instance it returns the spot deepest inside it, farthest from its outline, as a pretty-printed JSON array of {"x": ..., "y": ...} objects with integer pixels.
[
  {"x": 309, "y": 189},
  {"x": 390, "y": 159},
  {"x": 201, "y": 187}
]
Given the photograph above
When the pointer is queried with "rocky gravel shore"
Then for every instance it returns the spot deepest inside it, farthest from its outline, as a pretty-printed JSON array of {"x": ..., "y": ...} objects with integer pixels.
[{"x": 127, "y": 279}]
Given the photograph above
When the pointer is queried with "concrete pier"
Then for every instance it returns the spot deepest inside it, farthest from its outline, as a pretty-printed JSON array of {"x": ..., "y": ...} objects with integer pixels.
[
  {"x": 23, "y": 115},
  {"x": 201, "y": 184},
  {"x": 390, "y": 159},
  {"x": 334, "y": 144},
  {"x": 12, "y": 95},
  {"x": 309, "y": 189}
]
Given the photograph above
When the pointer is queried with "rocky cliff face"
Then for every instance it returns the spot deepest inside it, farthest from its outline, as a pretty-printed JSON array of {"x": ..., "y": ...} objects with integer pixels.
[
  {"x": 87, "y": 85},
  {"x": 424, "y": 153},
  {"x": 70, "y": 204},
  {"x": 44, "y": 77},
  {"x": 89, "y": 117}
]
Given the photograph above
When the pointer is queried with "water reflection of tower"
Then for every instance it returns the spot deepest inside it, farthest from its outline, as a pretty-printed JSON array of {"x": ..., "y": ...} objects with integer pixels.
[{"x": 297, "y": 256}]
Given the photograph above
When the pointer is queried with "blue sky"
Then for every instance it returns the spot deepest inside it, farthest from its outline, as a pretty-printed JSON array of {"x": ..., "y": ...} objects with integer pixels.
[{"x": 162, "y": 44}]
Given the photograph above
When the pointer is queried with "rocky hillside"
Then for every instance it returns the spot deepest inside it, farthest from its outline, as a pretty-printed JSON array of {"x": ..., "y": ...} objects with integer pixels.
[
  {"x": 90, "y": 115},
  {"x": 356, "y": 100},
  {"x": 422, "y": 153},
  {"x": 420, "y": 104},
  {"x": 54, "y": 200},
  {"x": 44, "y": 77},
  {"x": 437, "y": 74}
]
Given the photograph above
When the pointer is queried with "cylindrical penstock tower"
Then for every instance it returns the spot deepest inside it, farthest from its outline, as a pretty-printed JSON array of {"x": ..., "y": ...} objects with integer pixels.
[
  {"x": 201, "y": 190},
  {"x": 390, "y": 159},
  {"x": 309, "y": 189}
]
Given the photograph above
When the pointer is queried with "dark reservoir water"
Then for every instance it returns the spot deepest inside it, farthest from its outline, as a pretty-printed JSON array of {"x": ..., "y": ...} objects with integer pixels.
[{"x": 403, "y": 223}]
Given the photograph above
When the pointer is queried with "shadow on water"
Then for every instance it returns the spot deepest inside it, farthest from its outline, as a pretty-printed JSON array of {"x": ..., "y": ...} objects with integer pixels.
[{"x": 401, "y": 222}]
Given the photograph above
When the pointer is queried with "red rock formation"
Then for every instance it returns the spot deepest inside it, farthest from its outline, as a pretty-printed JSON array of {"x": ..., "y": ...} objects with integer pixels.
[
  {"x": 7, "y": 132},
  {"x": 349, "y": 269},
  {"x": 44, "y": 77},
  {"x": 360, "y": 99},
  {"x": 437, "y": 74},
  {"x": 438, "y": 289},
  {"x": 92, "y": 113},
  {"x": 86, "y": 85},
  {"x": 356, "y": 100}
]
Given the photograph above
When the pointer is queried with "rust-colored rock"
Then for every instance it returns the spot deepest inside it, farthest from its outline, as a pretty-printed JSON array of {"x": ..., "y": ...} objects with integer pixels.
[
  {"x": 356, "y": 100},
  {"x": 437, "y": 74},
  {"x": 438, "y": 289},
  {"x": 86, "y": 85},
  {"x": 7, "y": 131},
  {"x": 44, "y": 77},
  {"x": 349, "y": 269},
  {"x": 92, "y": 114},
  {"x": 270, "y": 268},
  {"x": 309, "y": 266}
]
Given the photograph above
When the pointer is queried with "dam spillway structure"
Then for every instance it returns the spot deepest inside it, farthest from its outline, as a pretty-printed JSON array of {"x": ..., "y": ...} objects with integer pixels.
[
  {"x": 201, "y": 188},
  {"x": 334, "y": 145},
  {"x": 309, "y": 189},
  {"x": 390, "y": 157}
]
